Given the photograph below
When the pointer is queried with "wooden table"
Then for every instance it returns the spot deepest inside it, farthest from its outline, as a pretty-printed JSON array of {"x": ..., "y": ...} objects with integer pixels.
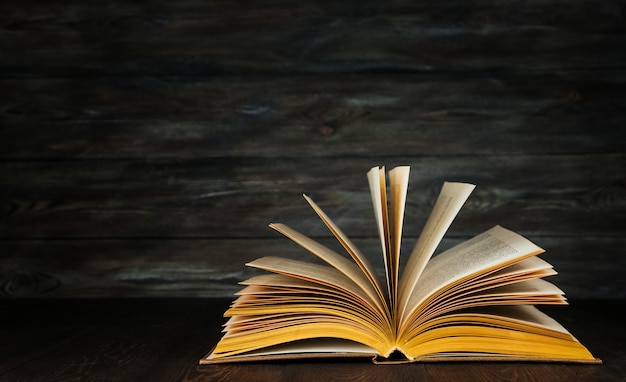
[{"x": 163, "y": 339}]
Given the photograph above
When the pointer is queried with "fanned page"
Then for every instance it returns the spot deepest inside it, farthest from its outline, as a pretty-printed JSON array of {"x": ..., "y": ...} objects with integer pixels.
[
  {"x": 505, "y": 333},
  {"x": 264, "y": 316},
  {"x": 470, "y": 300},
  {"x": 315, "y": 348},
  {"x": 450, "y": 200},
  {"x": 398, "y": 186},
  {"x": 490, "y": 251},
  {"x": 316, "y": 273},
  {"x": 343, "y": 265},
  {"x": 366, "y": 268},
  {"x": 389, "y": 221},
  {"x": 378, "y": 191}
]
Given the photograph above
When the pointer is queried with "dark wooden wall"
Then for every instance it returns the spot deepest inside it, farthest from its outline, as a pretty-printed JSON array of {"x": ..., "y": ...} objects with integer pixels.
[{"x": 145, "y": 146}]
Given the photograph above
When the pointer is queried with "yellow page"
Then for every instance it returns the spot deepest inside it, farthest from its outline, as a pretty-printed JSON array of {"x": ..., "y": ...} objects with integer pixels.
[
  {"x": 240, "y": 343},
  {"x": 494, "y": 342},
  {"x": 295, "y": 305},
  {"x": 273, "y": 290},
  {"x": 291, "y": 315},
  {"x": 509, "y": 331},
  {"x": 311, "y": 346},
  {"x": 317, "y": 273}
]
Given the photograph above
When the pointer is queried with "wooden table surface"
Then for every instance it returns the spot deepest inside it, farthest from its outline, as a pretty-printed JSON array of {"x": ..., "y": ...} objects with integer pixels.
[{"x": 163, "y": 339}]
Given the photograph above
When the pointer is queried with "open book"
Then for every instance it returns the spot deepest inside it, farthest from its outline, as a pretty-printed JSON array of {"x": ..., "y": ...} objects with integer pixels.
[{"x": 475, "y": 301}]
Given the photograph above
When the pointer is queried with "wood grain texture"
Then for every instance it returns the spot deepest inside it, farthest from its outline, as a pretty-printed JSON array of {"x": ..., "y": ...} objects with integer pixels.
[
  {"x": 145, "y": 146},
  {"x": 213, "y": 267},
  {"x": 314, "y": 116},
  {"x": 191, "y": 37},
  {"x": 546, "y": 195}
]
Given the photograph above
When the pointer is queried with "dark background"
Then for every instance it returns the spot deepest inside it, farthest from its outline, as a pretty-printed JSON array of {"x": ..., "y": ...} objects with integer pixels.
[{"x": 145, "y": 146}]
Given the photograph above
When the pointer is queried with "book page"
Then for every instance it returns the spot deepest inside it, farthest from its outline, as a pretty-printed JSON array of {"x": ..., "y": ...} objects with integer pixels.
[
  {"x": 361, "y": 261},
  {"x": 530, "y": 292},
  {"x": 398, "y": 186},
  {"x": 527, "y": 269},
  {"x": 342, "y": 264},
  {"x": 513, "y": 332},
  {"x": 378, "y": 191},
  {"x": 451, "y": 198},
  {"x": 519, "y": 317},
  {"x": 331, "y": 346},
  {"x": 315, "y": 273},
  {"x": 486, "y": 252}
]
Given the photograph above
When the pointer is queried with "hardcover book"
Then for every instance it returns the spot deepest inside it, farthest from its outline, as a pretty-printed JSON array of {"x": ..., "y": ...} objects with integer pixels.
[{"x": 474, "y": 301}]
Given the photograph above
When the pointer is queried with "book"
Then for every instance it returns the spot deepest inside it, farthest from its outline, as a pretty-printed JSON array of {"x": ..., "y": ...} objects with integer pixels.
[{"x": 475, "y": 301}]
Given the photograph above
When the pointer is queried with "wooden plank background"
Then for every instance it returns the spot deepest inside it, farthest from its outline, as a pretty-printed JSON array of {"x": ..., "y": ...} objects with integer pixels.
[{"x": 145, "y": 146}]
